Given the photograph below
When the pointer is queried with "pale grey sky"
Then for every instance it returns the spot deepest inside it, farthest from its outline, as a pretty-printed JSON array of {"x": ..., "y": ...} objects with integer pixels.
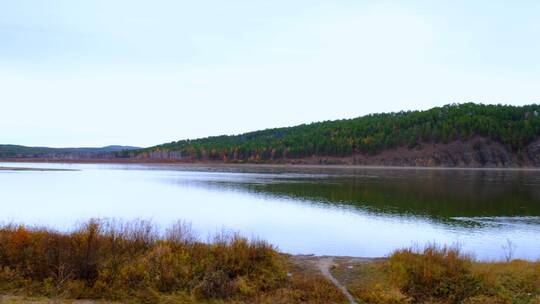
[{"x": 93, "y": 73}]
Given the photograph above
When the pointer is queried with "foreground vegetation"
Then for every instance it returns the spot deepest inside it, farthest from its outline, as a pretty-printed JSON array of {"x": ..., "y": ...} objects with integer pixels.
[
  {"x": 134, "y": 263},
  {"x": 513, "y": 126},
  {"x": 440, "y": 275},
  {"x": 109, "y": 262}
]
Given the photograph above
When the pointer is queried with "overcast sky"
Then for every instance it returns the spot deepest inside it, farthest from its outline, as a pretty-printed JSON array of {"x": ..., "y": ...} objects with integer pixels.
[{"x": 94, "y": 73}]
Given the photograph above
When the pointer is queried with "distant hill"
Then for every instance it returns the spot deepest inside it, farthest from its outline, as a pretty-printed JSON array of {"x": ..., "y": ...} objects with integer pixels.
[
  {"x": 453, "y": 135},
  {"x": 16, "y": 151},
  {"x": 113, "y": 148}
]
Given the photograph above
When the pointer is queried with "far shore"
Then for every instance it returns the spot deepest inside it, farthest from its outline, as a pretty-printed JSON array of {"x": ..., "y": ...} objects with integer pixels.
[
  {"x": 33, "y": 169},
  {"x": 220, "y": 164}
]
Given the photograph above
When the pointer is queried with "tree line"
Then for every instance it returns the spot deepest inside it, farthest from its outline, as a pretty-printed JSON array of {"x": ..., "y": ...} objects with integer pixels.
[{"x": 513, "y": 126}]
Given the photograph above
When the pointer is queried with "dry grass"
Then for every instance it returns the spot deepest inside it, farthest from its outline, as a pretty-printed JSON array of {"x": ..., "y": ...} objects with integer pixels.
[
  {"x": 108, "y": 262},
  {"x": 441, "y": 275},
  {"x": 509, "y": 282},
  {"x": 433, "y": 274},
  {"x": 368, "y": 282},
  {"x": 132, "y": 262}
]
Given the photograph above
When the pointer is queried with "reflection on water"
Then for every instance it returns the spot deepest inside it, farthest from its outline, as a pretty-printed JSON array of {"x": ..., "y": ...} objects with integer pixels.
[
  {"x": 366, "y": 212},
  {"x": 439, "y": 194}
]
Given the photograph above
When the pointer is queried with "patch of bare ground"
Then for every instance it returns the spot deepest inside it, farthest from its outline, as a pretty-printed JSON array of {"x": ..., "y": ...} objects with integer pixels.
[
  {"x": 341, "y": 271},
  {"x": 366, "y": 280}
]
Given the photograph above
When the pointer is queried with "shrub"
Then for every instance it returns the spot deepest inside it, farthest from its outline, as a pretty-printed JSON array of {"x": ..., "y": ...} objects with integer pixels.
[
  {"x": 434, "y": 273},
  {"x": 112, "y": 260}
]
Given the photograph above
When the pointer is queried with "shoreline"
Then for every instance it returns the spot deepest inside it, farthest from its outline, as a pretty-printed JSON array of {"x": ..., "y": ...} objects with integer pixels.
[
  {"x": 33, "y": 169},
  {"x": 252, "y": 165}
]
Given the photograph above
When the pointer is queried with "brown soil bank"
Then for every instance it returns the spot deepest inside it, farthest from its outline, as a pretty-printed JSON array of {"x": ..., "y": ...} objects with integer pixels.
[{"x": 478, "y": 152}]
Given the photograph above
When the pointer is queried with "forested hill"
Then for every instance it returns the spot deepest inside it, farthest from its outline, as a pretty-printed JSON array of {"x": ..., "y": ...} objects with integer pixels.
[{"x": 493, "y": 135}]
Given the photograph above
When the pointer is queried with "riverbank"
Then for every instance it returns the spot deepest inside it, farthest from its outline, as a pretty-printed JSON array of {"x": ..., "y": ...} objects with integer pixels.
[
  {"x": 291, "y": 165},
  {"x": 33, "y": 169},
  {"x": 107, "y": 262},
  {"x": 370, "y": 280}
]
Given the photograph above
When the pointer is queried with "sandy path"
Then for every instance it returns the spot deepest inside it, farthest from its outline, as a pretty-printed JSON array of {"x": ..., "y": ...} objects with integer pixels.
[{"x": 324, "y": 265}]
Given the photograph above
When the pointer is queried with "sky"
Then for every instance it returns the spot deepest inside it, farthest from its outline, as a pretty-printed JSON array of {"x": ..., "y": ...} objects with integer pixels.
[{"x": 130, "y": 72}]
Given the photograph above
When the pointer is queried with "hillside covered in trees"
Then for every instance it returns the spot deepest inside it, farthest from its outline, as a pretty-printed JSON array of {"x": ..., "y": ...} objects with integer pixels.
[
  {"x": 503, "y": 132},
  {"x": 456, "y": 135}
]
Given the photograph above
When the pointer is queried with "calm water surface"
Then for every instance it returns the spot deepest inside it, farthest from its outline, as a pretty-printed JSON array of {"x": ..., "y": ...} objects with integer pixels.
[{"x": 367, "y": 212}]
